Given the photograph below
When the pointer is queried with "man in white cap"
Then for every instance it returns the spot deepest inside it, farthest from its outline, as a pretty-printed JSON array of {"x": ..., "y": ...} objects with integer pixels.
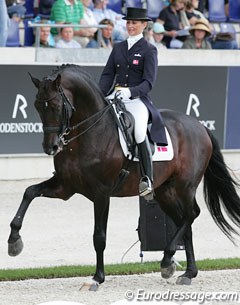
[{"x": 158, "y": 31}]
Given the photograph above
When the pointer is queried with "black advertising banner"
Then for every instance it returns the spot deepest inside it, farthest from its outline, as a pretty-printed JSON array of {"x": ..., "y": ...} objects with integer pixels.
[
  {"x": 197, "y": 91},
  {"x": 20, "y": 125}
]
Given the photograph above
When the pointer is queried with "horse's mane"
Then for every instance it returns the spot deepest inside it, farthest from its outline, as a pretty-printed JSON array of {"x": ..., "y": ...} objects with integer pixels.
[{"x": 80, "y": 72}]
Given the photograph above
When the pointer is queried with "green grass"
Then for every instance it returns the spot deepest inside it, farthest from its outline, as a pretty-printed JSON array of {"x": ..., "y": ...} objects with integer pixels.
[{"x": 116, "y": 269}]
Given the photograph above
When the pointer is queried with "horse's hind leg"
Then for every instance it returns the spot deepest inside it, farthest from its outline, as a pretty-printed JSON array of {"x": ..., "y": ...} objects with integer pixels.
[
  {"x": 185, "y": 232},
  {"x": 191, "y": 270},
  {"x": 168, "y": 265},
  {"x": 50, "y": 188}
]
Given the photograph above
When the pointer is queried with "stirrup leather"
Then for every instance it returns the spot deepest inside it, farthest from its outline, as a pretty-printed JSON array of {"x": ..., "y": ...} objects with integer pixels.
[{"x": 145, "y": 186}]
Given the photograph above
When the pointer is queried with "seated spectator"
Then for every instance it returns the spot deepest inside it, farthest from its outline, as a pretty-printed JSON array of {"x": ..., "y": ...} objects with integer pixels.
[
  {"x": 224, "y": 41},
  {"x": 88, "y": 18},
  {"x": 106, "y": 36},
  {"x": 70, "y": 11},
  {"x": 67, "y": 40},
  {"x": 157, "y": 35},
  {"x": 192, "y": 12},
  {"x": 16, "y": 9},
  {"x": 45, "y": 36},
  {"x": 200, "y": 31},
  {"x": 4, "y": 23},
  {"x": 101, "y": 12},
  {"x": 205, "y": 6},
  {"x": 170, "y": 18},
  {"x": 45, "y": 6}
]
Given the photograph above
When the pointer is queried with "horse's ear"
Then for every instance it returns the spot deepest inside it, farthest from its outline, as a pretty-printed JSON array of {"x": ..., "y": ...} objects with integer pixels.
[{"x": 35, "y": 81}]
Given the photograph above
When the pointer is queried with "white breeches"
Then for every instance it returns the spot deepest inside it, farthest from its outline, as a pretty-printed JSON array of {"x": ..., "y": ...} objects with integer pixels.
[{"x": 140, "y": 113}]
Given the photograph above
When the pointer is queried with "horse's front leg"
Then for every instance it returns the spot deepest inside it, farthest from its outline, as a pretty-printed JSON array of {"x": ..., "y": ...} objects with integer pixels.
[
  {"x": 50, "y": 188},
  {"x": 101, "y": 208}
]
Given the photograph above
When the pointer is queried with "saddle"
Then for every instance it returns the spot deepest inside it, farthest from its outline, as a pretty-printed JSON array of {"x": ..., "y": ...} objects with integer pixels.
[{"x": 125, "y": 122}]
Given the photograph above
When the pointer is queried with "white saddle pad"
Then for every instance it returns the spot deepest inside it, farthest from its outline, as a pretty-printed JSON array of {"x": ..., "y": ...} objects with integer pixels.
[{"x": 161, "y": 153}]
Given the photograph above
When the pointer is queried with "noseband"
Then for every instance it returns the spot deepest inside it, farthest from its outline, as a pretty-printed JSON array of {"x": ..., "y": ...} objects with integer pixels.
[{"x": 65, "y": 129}]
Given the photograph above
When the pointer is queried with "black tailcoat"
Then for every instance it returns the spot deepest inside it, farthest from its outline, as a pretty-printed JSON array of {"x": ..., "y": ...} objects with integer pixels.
[{"x": 136, "y": 69}]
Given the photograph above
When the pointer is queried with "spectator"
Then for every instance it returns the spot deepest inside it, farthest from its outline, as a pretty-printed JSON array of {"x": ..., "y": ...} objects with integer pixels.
[
  {"x": 170, "y": 18},
  {"x": 45, "y": 37},
  {"x": 4, "y": 23},
  {"x": 203, "y": 6},
  {"x": 224, "y": 40},
  {"x": 200, "y": 31},
  {"x": 157, "y": 35},
  {"x": 70, "y": 11},
  {"x": 88, "y": 19},
  {"x": 45, "y": 7},
  {"x": 192, "y": 12},
  {"x": 106, "y": 36},
  {"x": 101, "y": 12},
  {"x": 16, "y": 9},
  {"x": 67, "y": 40}
]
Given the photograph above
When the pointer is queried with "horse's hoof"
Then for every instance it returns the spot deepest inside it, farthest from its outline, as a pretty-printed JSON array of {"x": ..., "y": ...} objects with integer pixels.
[
  {"x": 169, "y": 271},
  {"x": 92, "y": 286},
  {"x": 15, "y": 248},
  {"x": 183, "y": 280}
]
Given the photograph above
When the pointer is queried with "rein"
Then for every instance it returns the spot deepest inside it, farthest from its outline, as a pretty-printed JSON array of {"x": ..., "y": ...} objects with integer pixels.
[{"x": 66, "y": 129}]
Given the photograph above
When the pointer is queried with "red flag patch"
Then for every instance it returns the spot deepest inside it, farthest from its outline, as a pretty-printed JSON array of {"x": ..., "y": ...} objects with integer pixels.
[{"x": 162, "y": 148}]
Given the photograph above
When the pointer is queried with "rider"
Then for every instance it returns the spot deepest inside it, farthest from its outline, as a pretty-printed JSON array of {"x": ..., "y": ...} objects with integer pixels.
[{"x": 133, "y": 64}]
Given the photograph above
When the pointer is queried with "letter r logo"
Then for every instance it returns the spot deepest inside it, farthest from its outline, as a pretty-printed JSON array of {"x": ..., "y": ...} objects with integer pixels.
[
  {"x": 20, "y": 99},
  {"x": 193, "y": 103}
]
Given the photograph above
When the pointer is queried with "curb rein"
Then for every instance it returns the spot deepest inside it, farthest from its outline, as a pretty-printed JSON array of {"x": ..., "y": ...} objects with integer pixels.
[{"x": 68, "y": 110}]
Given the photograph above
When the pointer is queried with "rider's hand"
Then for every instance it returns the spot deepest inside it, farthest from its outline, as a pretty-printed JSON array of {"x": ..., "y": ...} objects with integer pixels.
[{"x": 124, "y": 93}]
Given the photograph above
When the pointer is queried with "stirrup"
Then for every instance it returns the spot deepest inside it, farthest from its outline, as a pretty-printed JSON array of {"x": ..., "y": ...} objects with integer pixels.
[{"x": 146, "y": 188}]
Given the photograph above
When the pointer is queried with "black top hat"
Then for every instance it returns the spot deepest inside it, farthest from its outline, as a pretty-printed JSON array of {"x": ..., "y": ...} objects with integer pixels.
[{"x": 134, "y": 13}]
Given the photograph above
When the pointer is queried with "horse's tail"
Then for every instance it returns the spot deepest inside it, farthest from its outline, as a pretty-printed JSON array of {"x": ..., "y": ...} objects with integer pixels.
[{"x": 219, "y": 190}]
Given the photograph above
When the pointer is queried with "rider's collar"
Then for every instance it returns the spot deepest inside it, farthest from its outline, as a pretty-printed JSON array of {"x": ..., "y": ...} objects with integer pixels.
[{"x": 133, "y": 39}]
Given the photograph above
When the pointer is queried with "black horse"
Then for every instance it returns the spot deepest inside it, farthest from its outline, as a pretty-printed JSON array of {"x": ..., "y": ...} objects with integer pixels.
[{"x": 81, "y": 133}]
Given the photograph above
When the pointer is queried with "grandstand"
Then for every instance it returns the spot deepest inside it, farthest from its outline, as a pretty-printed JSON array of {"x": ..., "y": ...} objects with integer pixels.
[{"x": 23, "y": 35}]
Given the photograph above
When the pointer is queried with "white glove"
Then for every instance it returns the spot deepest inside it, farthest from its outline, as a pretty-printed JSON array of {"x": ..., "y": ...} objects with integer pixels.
[{"x": 124, "y": 93}]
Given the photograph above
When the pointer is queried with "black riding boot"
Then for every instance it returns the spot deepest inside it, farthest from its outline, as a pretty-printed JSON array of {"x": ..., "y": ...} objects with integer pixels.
[{"x": 146, "y": 167}]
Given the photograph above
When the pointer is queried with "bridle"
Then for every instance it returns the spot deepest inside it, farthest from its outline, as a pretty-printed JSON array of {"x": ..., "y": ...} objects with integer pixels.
[{"x": 65, "y": 128}]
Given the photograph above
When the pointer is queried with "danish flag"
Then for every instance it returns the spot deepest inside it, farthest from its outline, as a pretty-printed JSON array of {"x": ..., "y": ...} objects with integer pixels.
[{"x": 162, "y": 148}]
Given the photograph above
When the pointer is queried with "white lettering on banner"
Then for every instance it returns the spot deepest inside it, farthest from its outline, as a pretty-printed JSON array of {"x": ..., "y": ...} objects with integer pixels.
[
  {"x": 20, "y": 98},
  {"x": 209, "y": 124},
  {"x": 21, "y": 127},
  {"x": 194, "y": 103}
]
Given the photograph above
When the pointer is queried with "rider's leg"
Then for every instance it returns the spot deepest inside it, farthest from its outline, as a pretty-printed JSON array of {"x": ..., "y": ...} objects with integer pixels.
[
  {"x": 145, "y": 158},
  {"x": 141, "y": 114}
]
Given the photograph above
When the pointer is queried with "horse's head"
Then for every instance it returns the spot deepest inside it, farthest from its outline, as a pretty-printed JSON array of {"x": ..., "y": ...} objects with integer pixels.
[{"x": 55, "y": 111}]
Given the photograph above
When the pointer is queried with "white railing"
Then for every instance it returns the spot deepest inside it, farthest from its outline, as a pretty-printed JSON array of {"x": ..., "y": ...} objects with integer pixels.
[{"x": 37, "y": 26}]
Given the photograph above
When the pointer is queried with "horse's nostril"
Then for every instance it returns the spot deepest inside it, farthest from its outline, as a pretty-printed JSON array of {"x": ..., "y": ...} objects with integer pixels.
[{"x": 55, "y": 148}]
